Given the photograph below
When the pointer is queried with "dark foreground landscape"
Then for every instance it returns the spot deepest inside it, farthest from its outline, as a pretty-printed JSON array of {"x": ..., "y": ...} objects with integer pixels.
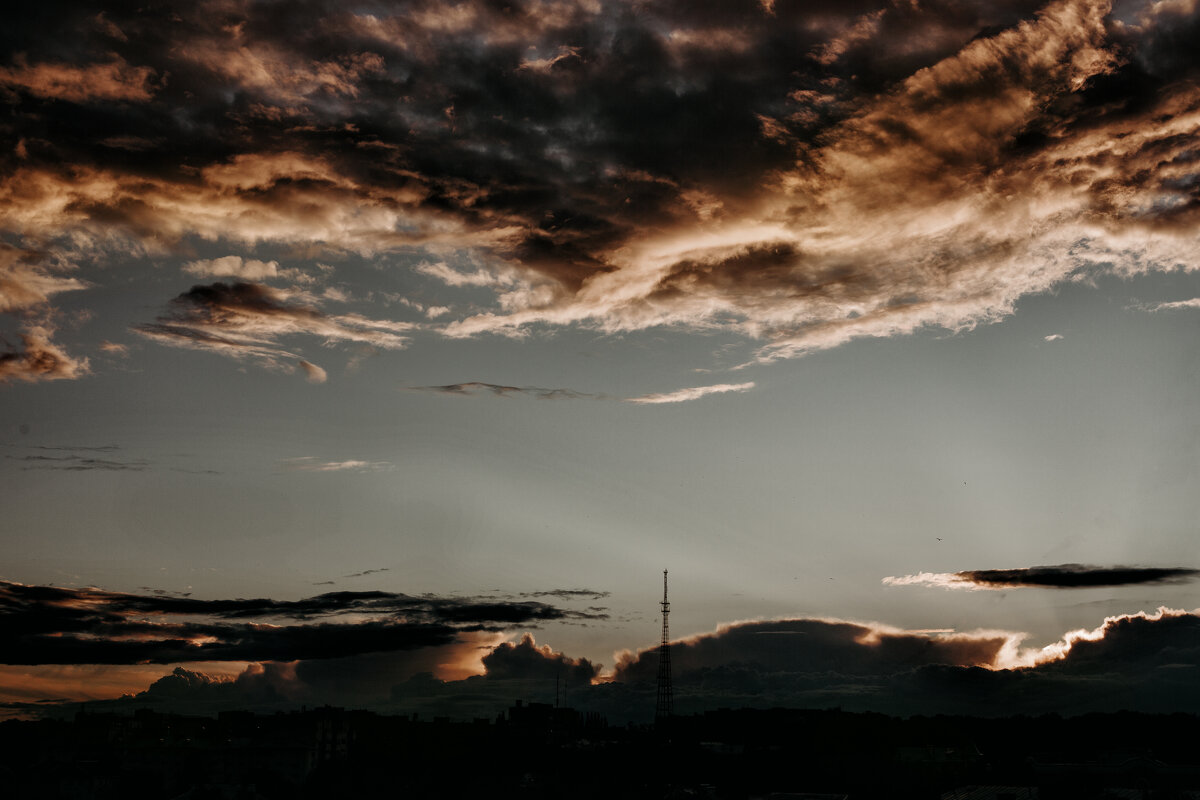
[{"x": 535, "y": 750}]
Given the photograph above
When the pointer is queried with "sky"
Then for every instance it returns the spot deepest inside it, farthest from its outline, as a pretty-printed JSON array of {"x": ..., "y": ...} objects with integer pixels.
[{"x": 386, "y": 353}]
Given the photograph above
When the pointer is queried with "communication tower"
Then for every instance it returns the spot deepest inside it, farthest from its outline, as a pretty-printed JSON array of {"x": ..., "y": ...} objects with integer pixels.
[{"x": 664, "y": 706}]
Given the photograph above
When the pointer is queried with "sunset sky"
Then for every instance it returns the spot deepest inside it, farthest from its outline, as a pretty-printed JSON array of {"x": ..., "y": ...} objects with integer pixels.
[{"x": 345, "y": 342}]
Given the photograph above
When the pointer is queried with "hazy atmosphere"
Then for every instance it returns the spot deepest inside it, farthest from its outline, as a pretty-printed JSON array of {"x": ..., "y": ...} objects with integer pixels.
[{"x": 383, "y": 354}]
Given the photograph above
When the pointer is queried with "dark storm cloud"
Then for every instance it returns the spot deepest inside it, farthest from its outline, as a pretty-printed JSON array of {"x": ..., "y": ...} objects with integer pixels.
[
  {"x": 526, "y": 660},
  {"x": 815, "y": 645},
  {"x": 1143, "y": 662},
  {"x": 616, "y": 165},
  {"x": 1146, "y": 662},
  {"x": 1062, "y": 576},
  {"x": 477, "y": 387},
  {"x": 53, "y": 625},
  {"x": 366, "y": 572}
]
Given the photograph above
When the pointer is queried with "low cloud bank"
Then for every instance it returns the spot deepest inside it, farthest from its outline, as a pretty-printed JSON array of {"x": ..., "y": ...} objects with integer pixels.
[{"x": 1143, "y": 662}]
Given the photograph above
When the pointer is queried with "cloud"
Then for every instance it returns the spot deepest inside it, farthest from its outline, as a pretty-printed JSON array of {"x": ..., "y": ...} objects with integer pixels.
[
  {"x": 452, "y": 277},
  {"x": 1054, "y": 337},
  {"x": 500, "y": 390},
  {"x": 569, "y": 594},
  {"x": 103, "y": 448},
  {"x": 311, "y": 464},
  {"x": 40, "y": 359},
  {"x": 26, "y": 288},
  {"x": 1176, "y": 305},
  {"x": 684, "y": 395},
  {"x": 246, "y": 320},
  {"x": 1062, "y": 576},
  {"x": 77, "y": 463},
  {"x": 1145, "y": 662},
  {"x": 525, "y": 660},
  {"x": 820, "y": 645},
  {"x": 313, "y": 373},
  {"x": 52, "y": 625},
  {"x": 113, "y": 80},
  {"x": 233, "y": 266},
  {"x": 698, "y": 168},
  {"x": 24, "y": 284},
  {"x": 366, "y": 572}
]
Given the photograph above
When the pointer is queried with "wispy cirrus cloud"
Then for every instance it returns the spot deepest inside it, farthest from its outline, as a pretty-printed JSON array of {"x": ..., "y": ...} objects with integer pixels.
[
  {"x": 313, "y": 464},
  {"x": 1062, "y": 576},
  {"x": 693, "y": 393},
  {"x": 1175, "y": 305},
  {"x": 500, "y": 390},
  {"x": 24, "y": 283},
  {"x": 246, "y": 321},
  {"x": 366, "y": 572},
  {"x": 569, "y": 594},
  {"x": 79, "y": 463}
]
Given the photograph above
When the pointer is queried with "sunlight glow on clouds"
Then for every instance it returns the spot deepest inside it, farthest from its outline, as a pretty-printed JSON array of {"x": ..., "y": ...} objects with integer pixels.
[
  {"x": 872, "y": 184},
  {"x": 693, "y": 393}
]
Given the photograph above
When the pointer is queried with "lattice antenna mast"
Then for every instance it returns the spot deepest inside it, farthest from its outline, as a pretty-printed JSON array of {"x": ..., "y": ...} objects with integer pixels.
[{"x": 664, "y": 706}]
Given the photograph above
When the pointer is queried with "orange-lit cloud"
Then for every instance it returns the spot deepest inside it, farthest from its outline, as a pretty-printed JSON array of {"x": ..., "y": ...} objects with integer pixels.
[
  {"x": 23, "y": 284},
  {"x": 795, "y": 178},
  {"x": 246, "y": 320},
  {"x": 85, "y": 682},
  {"x": 248, "y": 269},
  {"x": 40, "y": 359},
  {"x": 692, "y": 393},
  {"x": 113, "y": 80}
]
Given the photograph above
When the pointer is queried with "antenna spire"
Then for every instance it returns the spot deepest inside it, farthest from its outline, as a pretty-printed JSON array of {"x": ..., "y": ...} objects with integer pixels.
[{"x": 664, "y": 707}]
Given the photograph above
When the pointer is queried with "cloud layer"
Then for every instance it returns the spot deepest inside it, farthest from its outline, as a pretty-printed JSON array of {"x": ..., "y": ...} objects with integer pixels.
[
  {"x": 1145, "y": 661},
  {"x": 801, "y": 175},
  {"x": 51, "y": 625}
]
